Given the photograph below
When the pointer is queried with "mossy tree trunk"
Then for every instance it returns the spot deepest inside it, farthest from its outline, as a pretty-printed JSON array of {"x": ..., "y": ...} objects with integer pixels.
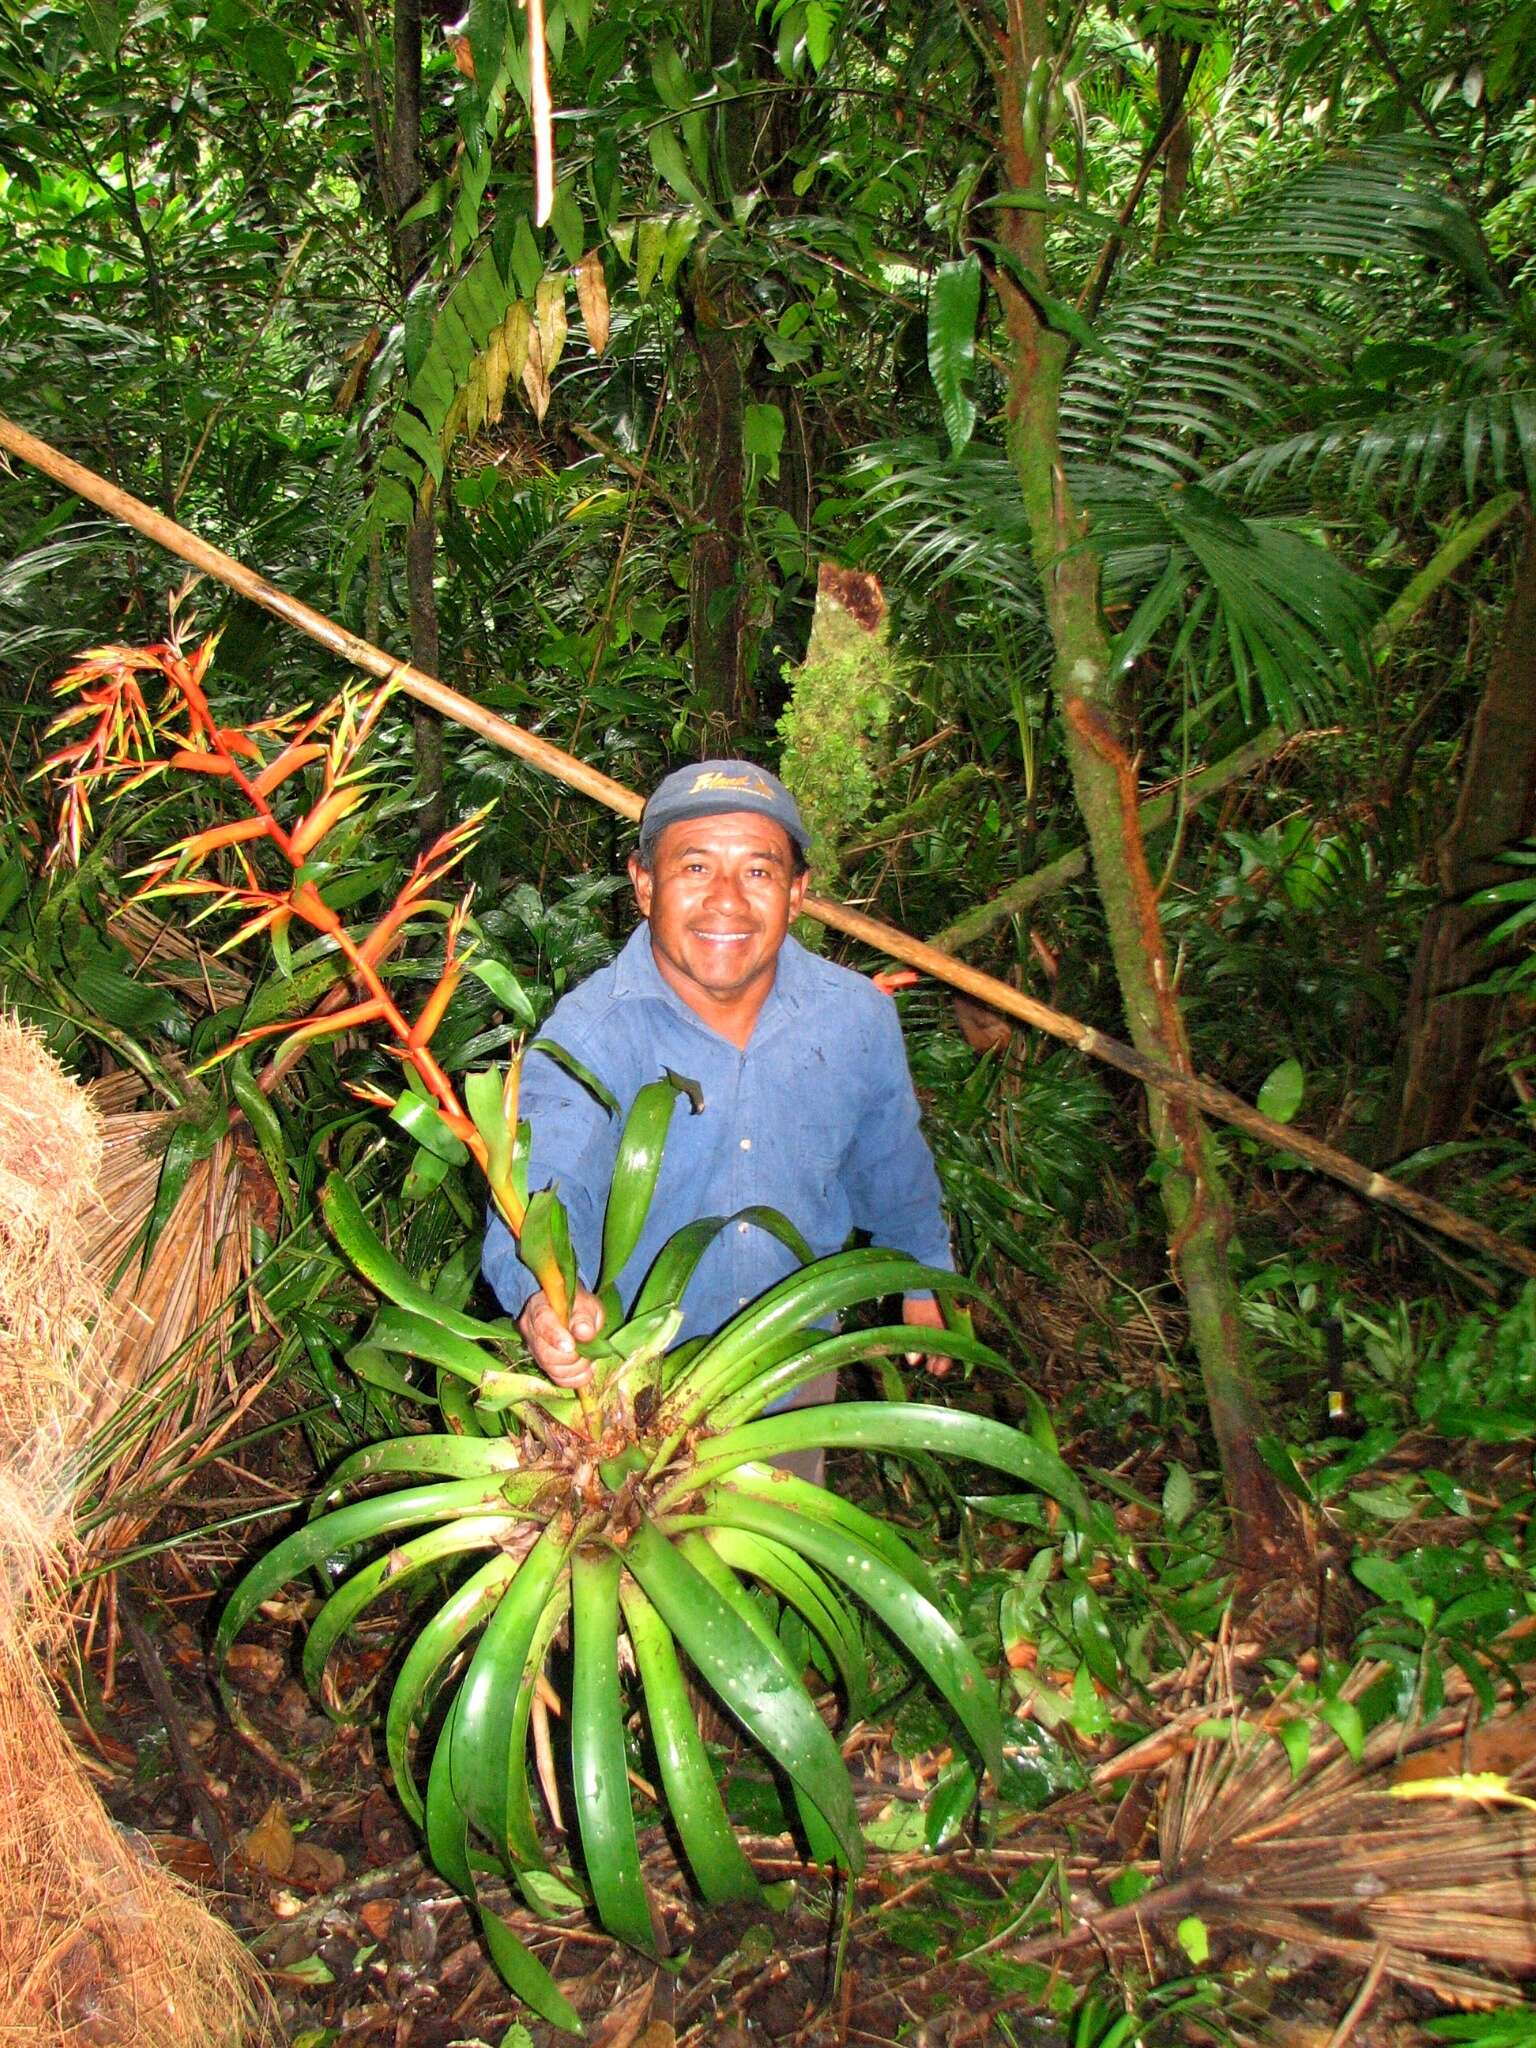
[
  {"x": 839, "y": 702},
  {"x": 1273, "y": 1545}
]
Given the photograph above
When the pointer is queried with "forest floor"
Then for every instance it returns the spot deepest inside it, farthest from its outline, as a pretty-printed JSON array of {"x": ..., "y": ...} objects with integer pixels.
[
  {"x": 1106, "y": 1898},
  {"x": 312, "y": 1859}
]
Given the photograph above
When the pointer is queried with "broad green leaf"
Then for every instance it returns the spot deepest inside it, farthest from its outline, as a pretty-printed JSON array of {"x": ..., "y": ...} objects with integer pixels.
[
  {"x": 424, "y": 1121},
  {"x": 751, "y": 1678},
  {"x": 805, "y": 1355},
  {"x": 487, "y": 1701},
  {"x": 667, "y": 155},
  {"x": 720, "y": 1870},
  {"x": 1295, "y": 1738},
  {"x": 808, "y": 1592},
  {"x": 678, "y": 1258},
  {"x": 422, "y": 1336},
  {"x": 635, "y": 1173},
  {"x": 380, "y": 1268},
  {"x": 469, "y": 1607},
  {"x": 1280, "y": 1096},
  {"x": 484, "y": 1098},
  {"x": 446, "y": 1457},
  {"x": 350, "y": 1600},
  {"x": 344, "y": 1529},
  {"x": 1178, "y": 1496},
  {"x": 949, "y": 1803},
  {"x": 1387, "y": 1579},
  {"x": 905, "y": 1426},
  {"x": 819, "y": 1291},
  {"x": 782, "y": 1489},
  {"x": 954, "y": 301},
  {"x": 762, "y": 435},
  {"x": 525, "y": 1976},
  {"x": 916, "y": 1623},
  {"x": 577, "y": 1071},
  {"x": 605, "y": 1811},
  {"x": 507, "y": 989}
]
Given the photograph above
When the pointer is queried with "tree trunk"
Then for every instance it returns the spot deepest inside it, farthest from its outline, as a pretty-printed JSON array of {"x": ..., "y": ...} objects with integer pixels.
[
  {"x": 1179, "y": 150},
  {"x": 1445, "y": 1033},
  {"x": 718, "y": 596},
  {"x": 1272, "y": 1544},
  {"x": 716, "y": 587},
  {"x": 403, "y": 184}
]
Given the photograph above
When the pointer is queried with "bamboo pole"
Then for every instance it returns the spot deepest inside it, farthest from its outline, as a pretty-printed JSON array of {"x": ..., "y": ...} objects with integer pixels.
[{"x": 883, "y": 938}]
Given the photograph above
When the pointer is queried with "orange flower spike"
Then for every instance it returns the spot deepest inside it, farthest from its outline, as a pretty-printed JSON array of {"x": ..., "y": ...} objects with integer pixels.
[
  {"x": 192, "y": 762},
  {"x": 382, "y": 937},
  {"x": 325, "y": 816},
  {"x": 233, "y": 739},
  {"x": 366, "y": 1092},
  {"x": 316, "y": 1027},
  {"x": 309, "y": 904},
  {"x": 436, "y": 1003},
  {"x": 287, "y": 763},
  {"x": 199, "y": 845}
]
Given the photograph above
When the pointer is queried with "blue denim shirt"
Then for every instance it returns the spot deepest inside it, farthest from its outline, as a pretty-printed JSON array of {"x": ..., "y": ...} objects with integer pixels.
[{"x": 816, "y": 1117}]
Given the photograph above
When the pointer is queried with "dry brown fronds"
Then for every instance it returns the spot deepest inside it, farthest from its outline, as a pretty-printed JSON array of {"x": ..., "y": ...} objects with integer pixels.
[
  {"x": 1335, "y": 1860},
  {"x": 165, "y": 953},
  {"x": 50, "y": 1158},
  {"x": 99, "y": 1946},
  {"x": 170, "y": 1388}
]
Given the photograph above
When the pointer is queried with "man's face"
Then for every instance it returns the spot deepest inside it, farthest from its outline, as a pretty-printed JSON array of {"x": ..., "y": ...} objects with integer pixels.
[{"x": 719, "y": 896}]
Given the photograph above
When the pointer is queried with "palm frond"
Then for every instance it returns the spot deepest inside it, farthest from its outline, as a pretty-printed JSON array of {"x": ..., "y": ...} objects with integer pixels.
[
  {"x": 1210, "y": 350},
  {"x": 1482, "y": 442}
]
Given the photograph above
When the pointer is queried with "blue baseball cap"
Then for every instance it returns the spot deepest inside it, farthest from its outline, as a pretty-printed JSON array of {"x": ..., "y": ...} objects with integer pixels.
[{"x": 710, "y": 788}]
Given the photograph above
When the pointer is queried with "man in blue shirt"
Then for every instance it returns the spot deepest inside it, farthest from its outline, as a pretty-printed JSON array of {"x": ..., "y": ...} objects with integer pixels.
[{"x": 807, "y": 1104}]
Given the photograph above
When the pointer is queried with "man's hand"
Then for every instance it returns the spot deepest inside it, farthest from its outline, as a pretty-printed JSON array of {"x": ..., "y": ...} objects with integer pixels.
[
  {"x": 553, "y": 1343},
  {"x": 925, "y": 1314}
]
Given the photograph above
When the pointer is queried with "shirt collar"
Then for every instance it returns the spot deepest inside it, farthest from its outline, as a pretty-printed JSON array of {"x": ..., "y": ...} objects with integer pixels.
[{"x": 635, "y": 973}]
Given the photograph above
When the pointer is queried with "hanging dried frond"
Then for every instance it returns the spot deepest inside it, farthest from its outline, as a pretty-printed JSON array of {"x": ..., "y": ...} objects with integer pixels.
[{"x": 97, "y": 1942}]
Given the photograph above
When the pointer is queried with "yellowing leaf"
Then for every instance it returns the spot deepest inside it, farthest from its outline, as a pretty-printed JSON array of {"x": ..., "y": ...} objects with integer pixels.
[
  {"x": 592, "y": 297},
  {"x": 536, "y": 377},
  {"x": 476, "y": 396},
  {"x": 514, "y": 332},
  {"x": 549, "y": 313},
  {"x": 1475, "y": 1785},
  {"x": 495, "y": 375}
]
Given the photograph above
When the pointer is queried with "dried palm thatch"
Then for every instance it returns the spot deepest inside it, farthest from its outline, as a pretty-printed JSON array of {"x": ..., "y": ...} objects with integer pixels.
[
  {"x": 97, "y": 1944},
  {"x": 1339, "y": 1861},
  {"x": 170, "y": 1390},
  {"x": 50, "y": 1368}
]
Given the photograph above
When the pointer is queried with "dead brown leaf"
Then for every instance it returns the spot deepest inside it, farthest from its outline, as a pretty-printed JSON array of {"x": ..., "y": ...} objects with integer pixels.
[
  {"x": 592, "y": 297},
  {"x": 315, "y": 1868},
  {"x": 377, "y": 1916},
  {"x": 627, "y": 2022},
  {"x": 255, "y": 1668},
  {"x": 269, "y": 1845}
]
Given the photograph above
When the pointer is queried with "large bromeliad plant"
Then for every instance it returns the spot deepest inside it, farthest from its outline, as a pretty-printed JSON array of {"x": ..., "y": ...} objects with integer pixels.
[{"x": 615, "y": 1542}]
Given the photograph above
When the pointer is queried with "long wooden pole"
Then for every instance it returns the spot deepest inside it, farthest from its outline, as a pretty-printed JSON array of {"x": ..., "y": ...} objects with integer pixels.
[{"x": 883, "y": 938}]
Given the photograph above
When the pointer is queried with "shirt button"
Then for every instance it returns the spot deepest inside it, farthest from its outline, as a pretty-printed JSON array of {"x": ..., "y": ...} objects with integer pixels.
[
  {"x": 743, "y": 1228},
  {"x": 746, "y": 1144},
  {"x": 741, "y": 1301}
]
